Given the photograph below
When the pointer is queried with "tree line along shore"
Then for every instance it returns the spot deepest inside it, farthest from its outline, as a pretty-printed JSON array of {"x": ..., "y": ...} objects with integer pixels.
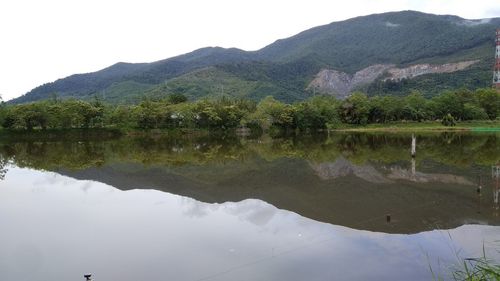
[{"x": 223, "y": 113}]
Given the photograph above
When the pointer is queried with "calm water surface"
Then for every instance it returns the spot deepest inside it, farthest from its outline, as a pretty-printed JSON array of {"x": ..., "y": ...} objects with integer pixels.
[{"x": 213, "y": 208}]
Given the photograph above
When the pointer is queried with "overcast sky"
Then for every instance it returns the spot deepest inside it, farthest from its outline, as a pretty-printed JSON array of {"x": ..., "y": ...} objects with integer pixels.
[{"x": 41, "y": 41}]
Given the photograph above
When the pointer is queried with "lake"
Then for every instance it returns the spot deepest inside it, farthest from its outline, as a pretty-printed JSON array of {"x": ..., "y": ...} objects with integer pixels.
[{"x": 348, "y": 206}]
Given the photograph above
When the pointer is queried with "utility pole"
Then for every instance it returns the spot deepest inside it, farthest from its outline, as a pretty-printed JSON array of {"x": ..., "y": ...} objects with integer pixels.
[
  {"x": 496, "y": 69},
  {"x": 413, "y": 146}
]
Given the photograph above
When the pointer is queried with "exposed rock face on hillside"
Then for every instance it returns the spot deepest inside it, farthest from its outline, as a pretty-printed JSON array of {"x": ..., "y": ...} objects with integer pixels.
[
  {"x": 341, "y": 84},
  {"x": 421, "y": 69}
]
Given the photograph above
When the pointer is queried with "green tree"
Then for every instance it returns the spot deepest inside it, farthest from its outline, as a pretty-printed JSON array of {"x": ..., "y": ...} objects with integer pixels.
[
  {"x": 176, "y": 98},
  {"x": 448, "y": 120},
  {"x": 316, "y": 113},
  {"x": 415, "y": 107},
  {"x": 489, "y": 100},
  {"x": 355, "y": 109},
  {"x": 120, "y": 115},
  {"x": 448, "y": 102},
  {"x": 148, "y": 114},
  {"x": 207, "y": 115},
  {"x": 10, "y": 119},
  {"x": 474, "y": 112},
  {"x": 271, "y": 112},
  {"x": 31, "y": 115}
]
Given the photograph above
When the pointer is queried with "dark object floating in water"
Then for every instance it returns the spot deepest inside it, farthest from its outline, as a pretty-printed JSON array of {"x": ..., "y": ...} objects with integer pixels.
[{"x": 87, "y": 277}]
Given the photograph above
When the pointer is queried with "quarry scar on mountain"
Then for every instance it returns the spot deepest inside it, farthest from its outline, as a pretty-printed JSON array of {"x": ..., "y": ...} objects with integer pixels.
[{"x": 341, "y": 84}]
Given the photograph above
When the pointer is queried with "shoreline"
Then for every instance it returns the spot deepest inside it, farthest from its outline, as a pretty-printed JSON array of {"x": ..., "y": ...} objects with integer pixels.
[
  {"x": 467, "y": 126},
  {"x": 111, "y": 132}
]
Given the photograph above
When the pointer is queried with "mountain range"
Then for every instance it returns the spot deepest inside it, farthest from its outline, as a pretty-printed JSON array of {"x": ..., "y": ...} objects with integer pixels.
[{"x": 390, "y": 53}]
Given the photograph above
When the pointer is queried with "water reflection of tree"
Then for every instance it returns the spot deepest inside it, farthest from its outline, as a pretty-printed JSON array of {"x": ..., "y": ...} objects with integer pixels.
[
  {"x": 459, "y": 150},
  {"x": 3, "y": 167}
]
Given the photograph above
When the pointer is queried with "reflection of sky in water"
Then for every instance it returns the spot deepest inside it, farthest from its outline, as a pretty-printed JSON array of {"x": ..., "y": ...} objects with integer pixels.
[{"x": 58, "y": 228}]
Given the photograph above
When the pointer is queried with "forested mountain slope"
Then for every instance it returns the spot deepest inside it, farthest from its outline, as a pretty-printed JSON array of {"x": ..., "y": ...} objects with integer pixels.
[{"x": 286, "y": 68}]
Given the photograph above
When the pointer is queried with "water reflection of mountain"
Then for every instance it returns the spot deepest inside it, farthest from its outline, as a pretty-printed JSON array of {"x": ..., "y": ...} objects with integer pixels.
[
  {"x": 351, "y": 199},
  {"x": 54, "y": 226},
  {"x": 345, "y": 179},
  {"x": 341, "y": 167}
]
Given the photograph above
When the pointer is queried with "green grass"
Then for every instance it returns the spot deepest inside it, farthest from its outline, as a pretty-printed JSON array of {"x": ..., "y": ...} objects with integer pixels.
[
  {"x": 479, "y": 269},
  {"x": 471, "y": 269},
  {"x": 426, "y": 126}
]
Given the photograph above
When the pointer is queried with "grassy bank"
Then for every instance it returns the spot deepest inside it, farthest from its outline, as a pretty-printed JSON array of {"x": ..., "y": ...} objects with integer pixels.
[
  {"x": 113, "y": 132},
  {"x": 425, "y": 126}
]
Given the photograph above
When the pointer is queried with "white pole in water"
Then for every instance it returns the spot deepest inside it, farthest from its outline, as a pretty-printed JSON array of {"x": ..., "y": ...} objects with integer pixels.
[
  {"x": 413, "y": 146},
  {"x": 495, "y": 171},
  {"x": 413, "y": 170}
]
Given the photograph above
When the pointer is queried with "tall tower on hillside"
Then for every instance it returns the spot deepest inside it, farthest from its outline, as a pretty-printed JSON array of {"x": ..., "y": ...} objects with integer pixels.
[{"x": 496, "y": 70}]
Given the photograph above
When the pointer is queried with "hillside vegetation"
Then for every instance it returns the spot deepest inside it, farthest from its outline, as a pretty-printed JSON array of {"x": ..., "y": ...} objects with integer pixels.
[
  {"x": 316, "y": 113},
  {"x": 285, "y": 68}
]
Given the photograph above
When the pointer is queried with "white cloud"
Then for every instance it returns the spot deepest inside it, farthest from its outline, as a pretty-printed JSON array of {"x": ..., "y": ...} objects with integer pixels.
[{"x": 45, "y": 40}]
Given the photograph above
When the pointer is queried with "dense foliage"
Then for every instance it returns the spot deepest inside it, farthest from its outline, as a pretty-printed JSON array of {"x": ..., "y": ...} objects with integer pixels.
[{"x": 316, "y": 113}]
